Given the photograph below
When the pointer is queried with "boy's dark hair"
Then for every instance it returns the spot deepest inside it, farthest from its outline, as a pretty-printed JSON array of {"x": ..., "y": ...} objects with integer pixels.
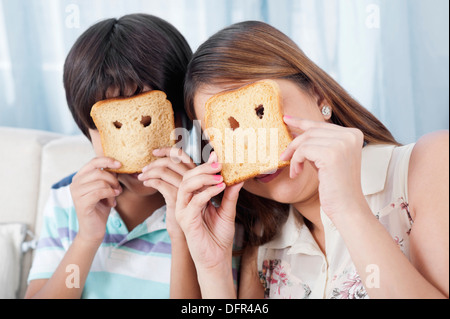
[{"x": 125, "y": 54}]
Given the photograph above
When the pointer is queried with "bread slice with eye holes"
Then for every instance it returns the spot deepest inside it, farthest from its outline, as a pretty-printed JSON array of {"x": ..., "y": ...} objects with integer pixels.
[
  {"x": 246, "y": 129},
  {"x": 131, "y": 128}
]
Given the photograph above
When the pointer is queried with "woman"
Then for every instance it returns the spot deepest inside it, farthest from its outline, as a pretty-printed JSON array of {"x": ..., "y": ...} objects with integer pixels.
[{"x": 331, "y": 224}]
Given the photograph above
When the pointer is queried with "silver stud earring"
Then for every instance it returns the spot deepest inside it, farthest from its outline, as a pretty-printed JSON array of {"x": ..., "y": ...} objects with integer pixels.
[{"x": 326, "y": 111}]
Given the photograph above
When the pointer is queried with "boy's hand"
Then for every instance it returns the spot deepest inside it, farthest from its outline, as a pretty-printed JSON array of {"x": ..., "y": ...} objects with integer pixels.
[
  {"x": 166, "y": 174},
  {"x": 94, "y": 193}
]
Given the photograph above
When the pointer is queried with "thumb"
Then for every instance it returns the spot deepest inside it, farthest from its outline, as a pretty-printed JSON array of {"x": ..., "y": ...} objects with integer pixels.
[{"x": 230, "y": 198}]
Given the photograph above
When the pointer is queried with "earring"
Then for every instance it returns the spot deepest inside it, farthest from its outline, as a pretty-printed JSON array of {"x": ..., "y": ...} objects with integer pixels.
[{"x": 326, "y": 111}]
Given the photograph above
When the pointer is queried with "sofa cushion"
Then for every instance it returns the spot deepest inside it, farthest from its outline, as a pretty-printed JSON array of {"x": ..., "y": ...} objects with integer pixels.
[
  {"x": 20, "y": 171},
  {"x": 31, "y": 161},
  {"x": 60, "y": 158}
]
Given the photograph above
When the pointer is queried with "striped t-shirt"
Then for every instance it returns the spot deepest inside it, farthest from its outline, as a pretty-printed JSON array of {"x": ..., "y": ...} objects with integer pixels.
[{"x": 127, "y": 264}]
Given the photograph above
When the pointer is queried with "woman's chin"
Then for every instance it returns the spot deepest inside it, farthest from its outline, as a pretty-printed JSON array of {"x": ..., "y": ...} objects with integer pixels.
[{"x": 279, "y": 188}]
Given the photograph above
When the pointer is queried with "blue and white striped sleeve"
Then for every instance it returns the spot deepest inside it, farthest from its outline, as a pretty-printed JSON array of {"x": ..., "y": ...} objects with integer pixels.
[{"x": 52, "y": 243}]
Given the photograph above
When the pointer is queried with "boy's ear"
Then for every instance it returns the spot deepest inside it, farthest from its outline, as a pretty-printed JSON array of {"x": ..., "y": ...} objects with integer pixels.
[{"x": 91, "y": 132}]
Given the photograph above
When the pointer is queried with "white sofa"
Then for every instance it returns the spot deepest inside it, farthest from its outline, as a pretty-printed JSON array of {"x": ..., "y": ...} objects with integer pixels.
[{"x": 31, "y": 162}]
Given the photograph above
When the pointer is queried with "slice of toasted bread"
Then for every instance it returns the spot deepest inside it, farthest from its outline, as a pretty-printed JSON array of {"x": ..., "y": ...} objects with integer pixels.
[
  {"x": 131, "y": 128},
  {"x": 247, "y": 131}
]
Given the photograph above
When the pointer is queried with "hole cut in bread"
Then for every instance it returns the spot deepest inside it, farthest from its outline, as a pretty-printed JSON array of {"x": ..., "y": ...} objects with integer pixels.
[
  {"x": 146, "y": 120},
  {"x": 260, "y": 111},
  {"x": 233, "y": 123}
]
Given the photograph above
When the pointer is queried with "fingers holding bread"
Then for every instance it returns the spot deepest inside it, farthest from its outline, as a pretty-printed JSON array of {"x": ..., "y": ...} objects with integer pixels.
[
  {"x": 93, "y": 176},
  {"x": 166, "y": 173},
  {"x": 94, "y": 191},
  {"x": 100, "y": 163},
  {"x": 173, "y": 158},
  {"x": 176, "y": 155},
  {"x": 162, "y": 172},
  {"x": 200, "y": 178}
]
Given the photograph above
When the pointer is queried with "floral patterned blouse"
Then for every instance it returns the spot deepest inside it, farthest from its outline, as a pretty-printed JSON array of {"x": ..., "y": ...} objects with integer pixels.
[{"x": 293, "y": 266}]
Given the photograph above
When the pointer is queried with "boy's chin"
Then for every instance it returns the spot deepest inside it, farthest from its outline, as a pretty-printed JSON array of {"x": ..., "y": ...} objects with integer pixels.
[{"x": 130, "y": 183}]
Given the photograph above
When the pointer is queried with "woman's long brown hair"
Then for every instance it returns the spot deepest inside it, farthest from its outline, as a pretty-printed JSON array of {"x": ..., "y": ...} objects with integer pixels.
[{"x": 251, "y": 51}]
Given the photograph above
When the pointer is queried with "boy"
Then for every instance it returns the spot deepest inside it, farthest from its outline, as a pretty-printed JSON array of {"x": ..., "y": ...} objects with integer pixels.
[{"x": 104, "y": 234}]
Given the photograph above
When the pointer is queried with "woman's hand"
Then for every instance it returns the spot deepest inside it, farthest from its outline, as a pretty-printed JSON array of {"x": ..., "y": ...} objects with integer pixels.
[
  {"x": 336, "y": 153},
  {"x": 94, "y": 193},
  {"x": 165, "y": 175},
  {"x": 209, "y": 230}
]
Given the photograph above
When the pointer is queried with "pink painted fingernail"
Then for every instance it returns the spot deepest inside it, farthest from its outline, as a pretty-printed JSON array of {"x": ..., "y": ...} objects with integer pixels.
[
  {"x": 217, "y": 177},
  {"x": 287, "y": 117},
  {"x": 220, "y": 185},
  {"x": 215, "y": 165}
]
